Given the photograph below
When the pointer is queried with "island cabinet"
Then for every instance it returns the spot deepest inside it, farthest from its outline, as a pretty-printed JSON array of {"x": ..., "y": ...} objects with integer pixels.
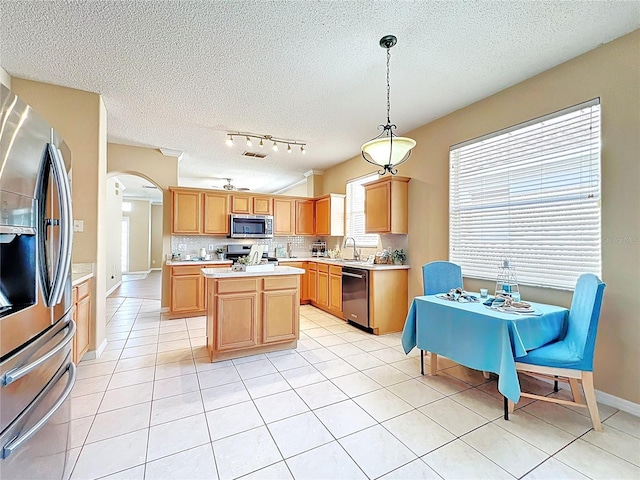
[
  {"x": 81, "y": 295},
  {"x": 187, "y": 290},
  {"x": 253, "y": 205},
  {"x": 250, "y": 315},
  {"x": 305, "y": 217},
  {"x": 284, "y": 218},
  {"x": 195, "y": 212},
  {"x": 388, "y": 298},
  {"x": 385, "y": 205},
  {"x": 329, "y": 215},
  {"x": 304, "y": 280}
]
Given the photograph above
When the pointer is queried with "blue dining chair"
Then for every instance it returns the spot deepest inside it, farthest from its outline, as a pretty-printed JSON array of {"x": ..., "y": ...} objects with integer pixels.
[
  {"x": 571, "y": 358},
  {"x": 439, "y": 277}
]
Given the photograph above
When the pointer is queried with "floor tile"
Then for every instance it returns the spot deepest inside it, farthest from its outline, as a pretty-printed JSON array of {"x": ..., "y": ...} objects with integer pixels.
[
  {"x": 245, "y": 453},
  {"x": 561, "y": 417},
  {"x": 345, "y": 350},
  {"x": 139, "y": 351},
  {"x": 224, "y": 395},
  {"x": 320, "y": 394},
  {"x": 445, "y": 384},
  {"x": 173, "y": 437},
  {"x": 388, "y": 355},
  {"x": 382, "y": 404},
  {"x": 111, "y": 455},
  {"x": 453, "y": 416},
  {"x": 174, "y": 345},
  {"x": 219, "y": 376},
  {"x": 267, "y": 385},
  {"x": 86, "y": 405},
  {"x": 318, "y": 355},
  {"x": 141, "y": 341},
  {"x": 553, "y": 469},
  {"x": 356, "y": 384},
  {"x": 288, "y": 362},
  {"x": 335, "y": 368},
  {"x": 90, "y": 385},
  {"x": 175, "y": 386},
  {"x": 415, "y": 393},
  {"x": 135, "y": 473},
  {"x": 328, "y": 462},
  {"x": 280, "y": 405},
  {"x": 418, "y": 432},
  {"x": 132, "y": 377},
  {"x": 482, "y": 403},
  {"x": 299, "y": 377},
  {"x": 508, "y": 451},
  {"x": 175, "y": 407},
  {"x": 410, "y": 366},
  {"x": 368, "y": 344},
  {"x": 95, "y": 370},
  {"x": 256, "y": 369},
  {"x": 307, "y": 344},
  {"x": 344, "y": 418},
  {"x": 78, "y": 431},
  {"x": 174, "y": 356},
  {"x": 299, "y": 433},
  {"x": 457, "y": 460},
  {"x": 126, "y": 396},
  {"x": 330, "y": 340},
  {"x": 467, "y": 375},
  {"x": 595, "y": 462},
  {"x": 386, "y": 375},
  {"x": 365, "y": 448},
  {"x": 172, "y": 336},
  {"x": 537, "y": 432},
  {"x": 605, "y": 411},
  {"x": 363, "y": 361},
  {"x": 277, "y": 471},
  {"x": 416, "y": 470},
  {"x": 233, "y": 419},
  {"x": 135, "y": 363},
  {"x": 625, "y": 422},
  {"x": 617, "y": 443},
  {"x": 118, "y": 422}
]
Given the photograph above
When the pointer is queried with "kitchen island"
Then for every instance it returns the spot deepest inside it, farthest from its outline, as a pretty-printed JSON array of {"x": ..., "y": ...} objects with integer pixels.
[{"x": 251, "y": 312}]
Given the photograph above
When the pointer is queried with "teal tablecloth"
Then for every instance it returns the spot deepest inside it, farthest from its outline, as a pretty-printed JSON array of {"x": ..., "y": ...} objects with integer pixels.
[{"x": 479, "y": 338}]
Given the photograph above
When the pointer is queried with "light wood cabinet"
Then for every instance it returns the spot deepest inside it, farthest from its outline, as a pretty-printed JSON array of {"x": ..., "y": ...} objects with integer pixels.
[
  {"x": 335, "y": 290},
  {"x": 388, "y": 298},
  {"x": 323, "y": 286},
  {"x": 284, "y": 217},
  {"x": 305, "y": 217},
  {"x": 82, "y": 317},
  {"x": 241, "y": 204},
  {"x": 312, "y": 273},
  {"x": 187, "y": 285},
  {"x": 329, "y": 215},
  {"x": 216, "y": 214},
  {"x": 186, "y": 212},
  {"x": 250, "y": 315},
  {"x": 304, "y": 280},
  {"x": 386, "y": 205},
  {"x": 262, "y": 205},
  {"x": 251, "y": 205}
]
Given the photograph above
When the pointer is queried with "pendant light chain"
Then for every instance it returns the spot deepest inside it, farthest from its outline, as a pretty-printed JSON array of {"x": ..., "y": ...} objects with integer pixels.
[{"x": 388, "y": 86}]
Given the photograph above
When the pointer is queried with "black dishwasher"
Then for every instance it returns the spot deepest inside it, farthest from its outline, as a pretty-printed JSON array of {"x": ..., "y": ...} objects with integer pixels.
[{"x": 355, "y": 295}]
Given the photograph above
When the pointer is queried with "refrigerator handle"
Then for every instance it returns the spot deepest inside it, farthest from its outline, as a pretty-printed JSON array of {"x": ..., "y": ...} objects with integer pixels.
[
  {"x": 17, "y": 373},
  {"x": 66, "y": 222},
  {"x": 18, "y": 441}
]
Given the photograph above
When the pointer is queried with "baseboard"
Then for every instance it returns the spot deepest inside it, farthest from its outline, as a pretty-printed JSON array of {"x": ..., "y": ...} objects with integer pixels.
[
  {"x": 113, "y": 289},
  {"x": 140, "y": 272},
  {"x": 619, "y": 403},
  {"x": 155, "y": 269},
  {"x": 93, "y": 354},
  {"x": 164, "y": 309}
]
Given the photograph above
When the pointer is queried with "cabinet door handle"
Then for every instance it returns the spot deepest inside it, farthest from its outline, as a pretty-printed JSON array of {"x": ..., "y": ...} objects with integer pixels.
[{"x": 347, "y": 274}]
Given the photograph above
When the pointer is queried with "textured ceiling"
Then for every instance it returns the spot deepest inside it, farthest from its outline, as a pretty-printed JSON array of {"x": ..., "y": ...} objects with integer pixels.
[
  {"x": 180, "y": 74},
  {"x": 137, "y": 188}
]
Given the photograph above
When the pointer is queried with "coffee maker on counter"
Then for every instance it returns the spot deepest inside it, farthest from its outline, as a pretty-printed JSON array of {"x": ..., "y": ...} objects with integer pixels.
[{"x": 318, "y": 249}]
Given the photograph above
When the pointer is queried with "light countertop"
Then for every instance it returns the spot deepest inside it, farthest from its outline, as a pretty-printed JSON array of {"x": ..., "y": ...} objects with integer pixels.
[
  {"x": 199, "y": 262},
  {"x": 78, "y": 278},
  {"x": 228, "y": 273},
  {"x": 343, "y": 263}
]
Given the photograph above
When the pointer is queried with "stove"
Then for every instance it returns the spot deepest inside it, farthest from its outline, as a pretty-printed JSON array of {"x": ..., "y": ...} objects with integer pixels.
[{"x": 235, "y": 251}]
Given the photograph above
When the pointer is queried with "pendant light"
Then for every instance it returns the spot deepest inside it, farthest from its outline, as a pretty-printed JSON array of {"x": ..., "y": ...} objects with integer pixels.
[{"x": 387, "y": 150}]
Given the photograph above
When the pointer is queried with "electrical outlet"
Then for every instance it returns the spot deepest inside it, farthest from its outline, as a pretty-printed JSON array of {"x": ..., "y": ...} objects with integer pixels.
[
  {"x": 182, "y": 247},
  {"x": 211, "y": 247},
  {"x": 78, "y": 225}
]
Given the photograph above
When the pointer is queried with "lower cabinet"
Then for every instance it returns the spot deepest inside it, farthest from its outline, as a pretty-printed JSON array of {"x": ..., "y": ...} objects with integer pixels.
[
  {"x": 325, "y": 287},
  {"x": 82, "y": 317},
  {"x": 335, "y": 290},
  {"x": 187, "y": 290},
  {"x": 252, "y": 315},
  {"x": 312, "y": 282},
  {"x": 304, "y": 280}
]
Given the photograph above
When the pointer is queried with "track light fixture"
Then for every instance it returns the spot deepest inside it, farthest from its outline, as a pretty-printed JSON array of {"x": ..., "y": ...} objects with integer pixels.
[{"x": 268, "y": 138}]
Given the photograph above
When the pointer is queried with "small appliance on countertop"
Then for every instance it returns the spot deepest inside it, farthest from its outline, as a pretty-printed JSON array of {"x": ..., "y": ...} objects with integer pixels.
[
  {"x": 235, "y": 251},
  {"x": 318, "y": 249}
]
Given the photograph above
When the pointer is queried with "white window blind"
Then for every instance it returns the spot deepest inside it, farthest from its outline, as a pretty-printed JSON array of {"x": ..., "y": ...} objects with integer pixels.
[
  {"x": 530, "y": 193},
  {"x": 355, "y": 212}
]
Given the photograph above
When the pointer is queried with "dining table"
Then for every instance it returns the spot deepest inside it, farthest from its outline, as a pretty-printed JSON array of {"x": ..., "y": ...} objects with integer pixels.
[{"x": 483, "y": 338}]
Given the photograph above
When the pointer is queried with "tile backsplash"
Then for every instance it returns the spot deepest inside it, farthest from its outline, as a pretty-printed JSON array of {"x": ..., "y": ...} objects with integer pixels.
[{"x": 300, "y": 245}]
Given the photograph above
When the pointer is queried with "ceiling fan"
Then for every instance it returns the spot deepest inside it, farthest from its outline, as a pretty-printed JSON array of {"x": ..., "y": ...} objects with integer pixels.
[{"x": 232, "y": 188}]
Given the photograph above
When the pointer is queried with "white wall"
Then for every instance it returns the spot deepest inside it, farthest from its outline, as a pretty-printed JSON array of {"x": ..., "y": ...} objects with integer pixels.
[
  {"x": 113, "y": 228},
  {"x": 5, "y": 78},
  {"x": 139, "y": 235},
  {"x": 156, "y": 236}
]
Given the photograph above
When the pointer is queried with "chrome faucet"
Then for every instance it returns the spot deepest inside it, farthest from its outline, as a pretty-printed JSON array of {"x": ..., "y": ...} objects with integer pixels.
[{"x": 356, "y": 255}]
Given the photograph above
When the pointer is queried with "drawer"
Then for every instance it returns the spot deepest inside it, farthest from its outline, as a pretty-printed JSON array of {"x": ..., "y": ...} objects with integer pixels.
[
  {"x": 323, "y": 267},
  {"x": 236, "y": 285},
  {"x": 82, "y": 290},
  {"x": 333, "y": 270},
  {"x": 293, "y": 264},
  {"x": 313, "y": 266},
  {"x": 186, "y": 270},
  {"x": 280, "y": 283}
]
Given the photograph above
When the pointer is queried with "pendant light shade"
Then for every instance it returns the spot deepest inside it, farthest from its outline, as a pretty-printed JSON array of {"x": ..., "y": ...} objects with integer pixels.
[{"x": 387, "y": 150}]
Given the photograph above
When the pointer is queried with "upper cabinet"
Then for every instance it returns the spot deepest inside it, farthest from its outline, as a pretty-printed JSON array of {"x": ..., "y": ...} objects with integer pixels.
[
  {"x": 194, "y": 212},
  {"x": 262, "y": 205},
  {"x": 305, "y": 217},
  {"x": 186, "y": 212},
  {"x": 330, "y": 215},
  {"x": 240, "y": 204},
  {"x": 284, "y": 217},
  {"x": 385, "y": 205},
  {"x": 251, "y": 205},
  {"x": 216, "y": 218}
]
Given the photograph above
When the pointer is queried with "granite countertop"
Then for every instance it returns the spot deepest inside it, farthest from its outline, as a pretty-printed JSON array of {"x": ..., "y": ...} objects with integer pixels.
[
  {"x": 345, "y": 263},
  {"x": 228, "y": 273},
  {"x": 199, "y": 262}
]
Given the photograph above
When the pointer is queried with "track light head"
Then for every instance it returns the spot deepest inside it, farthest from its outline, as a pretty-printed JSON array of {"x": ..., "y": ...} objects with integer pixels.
[
  {"x": 288, "y": 148},
  {"x": 302, "y": 150},
  {"x": 275, "y": 147},
  {"x": 229, "y": 141},
  {"x": 249, "y": 142}
]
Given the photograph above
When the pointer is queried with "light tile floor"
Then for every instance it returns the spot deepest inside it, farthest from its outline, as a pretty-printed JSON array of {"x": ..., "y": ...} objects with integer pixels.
[{"x": 344, "y": 405}]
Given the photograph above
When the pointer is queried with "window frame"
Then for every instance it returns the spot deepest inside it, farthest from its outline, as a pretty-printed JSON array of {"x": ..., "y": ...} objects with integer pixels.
[{"x": 362, "y": 239}]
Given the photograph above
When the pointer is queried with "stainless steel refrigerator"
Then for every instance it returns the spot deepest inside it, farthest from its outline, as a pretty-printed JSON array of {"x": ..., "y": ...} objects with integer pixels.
[{"x": 36, "y": 328}]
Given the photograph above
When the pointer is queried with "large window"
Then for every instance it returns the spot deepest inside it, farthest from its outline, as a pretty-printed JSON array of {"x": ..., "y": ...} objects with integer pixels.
[
  {"x": 355, "y": 212},
  {"x": 530, "y": 193}
]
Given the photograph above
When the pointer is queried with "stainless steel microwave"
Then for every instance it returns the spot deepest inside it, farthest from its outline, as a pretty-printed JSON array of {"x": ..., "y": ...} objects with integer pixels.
[{"x": 251, "y": 226}]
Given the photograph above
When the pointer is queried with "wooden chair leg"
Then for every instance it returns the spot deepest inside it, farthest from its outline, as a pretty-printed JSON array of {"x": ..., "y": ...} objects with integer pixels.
[
  {"x": 434, "y": 363},
  {"x": 486, "y": 375},
  {"x": 590, "y": 396},
  {"x": 575, "y": 390},
  {"x": 512, "y": 406}
]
